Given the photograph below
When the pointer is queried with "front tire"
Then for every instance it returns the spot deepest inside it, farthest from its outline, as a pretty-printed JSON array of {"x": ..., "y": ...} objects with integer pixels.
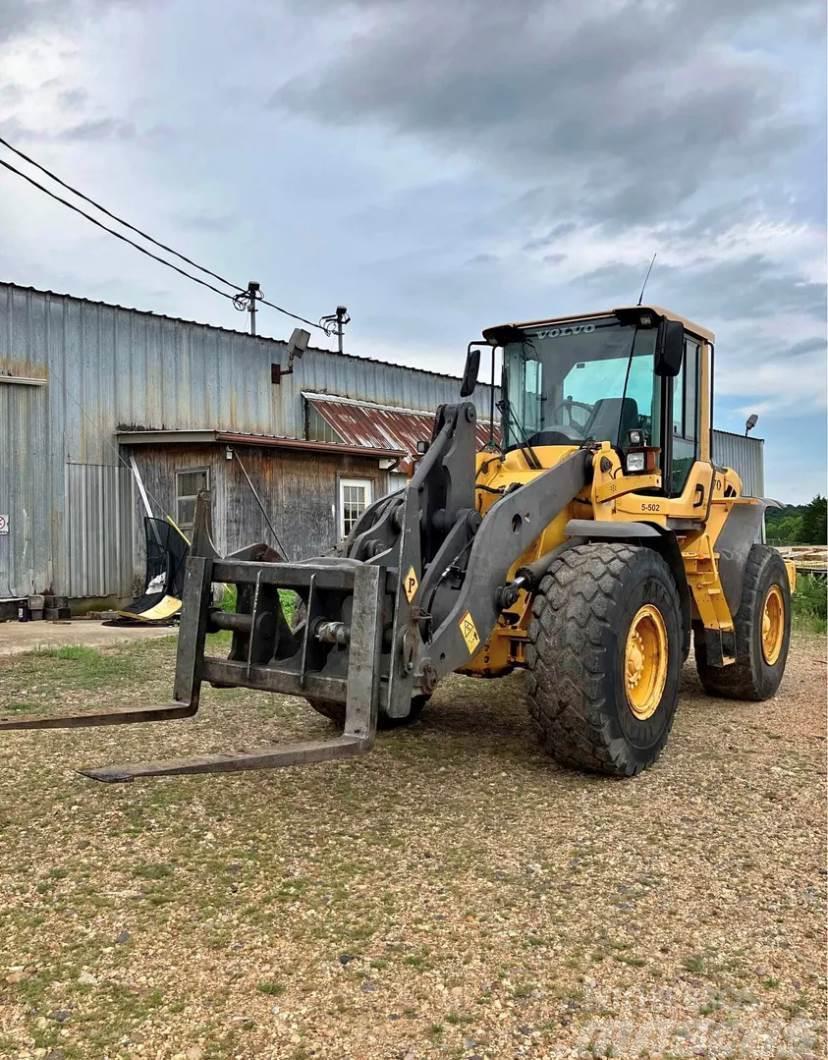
[
  {"x": 762, "y": 627},
  {"x": 605, "y": 657}
]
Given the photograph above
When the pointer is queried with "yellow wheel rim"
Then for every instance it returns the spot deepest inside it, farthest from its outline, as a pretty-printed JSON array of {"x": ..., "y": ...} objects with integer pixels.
[
  {"x": 645, "y": 661},
  {"x": 773, "y": 624}
]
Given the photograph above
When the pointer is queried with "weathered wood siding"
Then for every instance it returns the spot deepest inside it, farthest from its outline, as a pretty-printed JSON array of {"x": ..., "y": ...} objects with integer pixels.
[{"x": 299, "y": 490}]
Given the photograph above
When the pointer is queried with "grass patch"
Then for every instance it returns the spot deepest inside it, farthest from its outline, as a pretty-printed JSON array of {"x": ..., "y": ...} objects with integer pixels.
[
  {"x": 69, "y": 651},
  {"x": 157, "y": 871},
  {"x": 76, "y": 667},
  {"x": 270, "y": 987},
  {"x": 810, "y": 604}
]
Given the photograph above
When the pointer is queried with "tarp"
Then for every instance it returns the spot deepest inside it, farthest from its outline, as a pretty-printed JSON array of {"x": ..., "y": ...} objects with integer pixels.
[{"x": 167, "y": 550}]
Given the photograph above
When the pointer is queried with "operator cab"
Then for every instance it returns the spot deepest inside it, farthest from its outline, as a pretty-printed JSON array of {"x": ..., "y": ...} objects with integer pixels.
[{"x": 631, "y": 377}]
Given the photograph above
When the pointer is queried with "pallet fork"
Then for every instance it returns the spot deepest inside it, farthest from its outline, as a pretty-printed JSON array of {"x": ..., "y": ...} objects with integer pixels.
[{"x": 259, "y": 634}]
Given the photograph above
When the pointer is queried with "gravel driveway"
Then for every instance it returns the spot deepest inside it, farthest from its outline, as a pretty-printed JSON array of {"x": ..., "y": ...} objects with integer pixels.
[{"x": 454, "y": 894}]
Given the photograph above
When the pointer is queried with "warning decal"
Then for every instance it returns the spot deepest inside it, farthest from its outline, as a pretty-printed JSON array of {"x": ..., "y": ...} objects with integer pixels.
[
  {"x": 411, "y": 584},
  {"x": 469, "y": 631}
]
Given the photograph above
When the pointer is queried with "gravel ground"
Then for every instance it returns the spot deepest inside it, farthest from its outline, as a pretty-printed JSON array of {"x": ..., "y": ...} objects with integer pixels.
[{"x": 454, "y": 894}]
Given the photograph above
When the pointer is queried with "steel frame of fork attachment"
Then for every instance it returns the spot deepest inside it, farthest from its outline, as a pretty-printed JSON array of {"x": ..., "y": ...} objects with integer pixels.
[{"x": 367, "y": 583}]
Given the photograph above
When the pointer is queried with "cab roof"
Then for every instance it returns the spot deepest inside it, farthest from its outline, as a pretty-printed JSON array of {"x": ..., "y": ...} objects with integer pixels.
[{"x": 694, "y": 329}]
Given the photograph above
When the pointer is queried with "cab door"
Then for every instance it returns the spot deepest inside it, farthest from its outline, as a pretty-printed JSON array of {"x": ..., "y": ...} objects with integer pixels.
[{"x": 684, "y": 440}]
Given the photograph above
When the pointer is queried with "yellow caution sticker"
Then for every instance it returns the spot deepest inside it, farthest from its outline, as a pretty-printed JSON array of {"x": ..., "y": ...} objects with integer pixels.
[
  {"x": 469, "y": 631},
  {"x": 411, "y": 585}
]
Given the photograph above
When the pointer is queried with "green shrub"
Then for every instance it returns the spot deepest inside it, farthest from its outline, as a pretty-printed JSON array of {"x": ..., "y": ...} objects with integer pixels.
[
  {"x": 810, "y": 603},
  {"x": 287, "y": 598}
]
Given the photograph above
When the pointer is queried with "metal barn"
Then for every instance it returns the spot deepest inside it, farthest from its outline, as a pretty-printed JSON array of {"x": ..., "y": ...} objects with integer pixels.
[{"x": 86, "y": 388}]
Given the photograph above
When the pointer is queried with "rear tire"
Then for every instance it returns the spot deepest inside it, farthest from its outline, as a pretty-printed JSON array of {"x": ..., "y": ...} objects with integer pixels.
[
  {"x": 335, "y": 712},
  {"x": 760, "y": 660},
  {"x": 604, "y": 657}
]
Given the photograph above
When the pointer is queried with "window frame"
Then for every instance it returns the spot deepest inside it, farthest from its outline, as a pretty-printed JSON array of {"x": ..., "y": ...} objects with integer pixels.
[
  {"x": 348, "y": 480},
  {"x": 179, "y": 497},
  {"x": 671, "y": 488}
]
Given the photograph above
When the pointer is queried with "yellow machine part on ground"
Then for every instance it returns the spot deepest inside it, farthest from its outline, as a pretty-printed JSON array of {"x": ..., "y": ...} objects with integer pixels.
[{"x": 166, "y": 608}]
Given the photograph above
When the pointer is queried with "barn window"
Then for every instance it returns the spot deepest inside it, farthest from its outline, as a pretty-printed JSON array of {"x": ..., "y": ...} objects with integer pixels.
[
  {"x": 317, "y": 427},
  {"x": 354, "y": 498},
  {"x": 187, "y": 486}
]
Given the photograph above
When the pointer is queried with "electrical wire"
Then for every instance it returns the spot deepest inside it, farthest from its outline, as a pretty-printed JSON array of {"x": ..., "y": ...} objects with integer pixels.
[
  {"x": 112, "y": 232},
  {"x": 115, "y": 217},
  {"x": 294, "y": 316},
  {"x": 144, "y": 235}
]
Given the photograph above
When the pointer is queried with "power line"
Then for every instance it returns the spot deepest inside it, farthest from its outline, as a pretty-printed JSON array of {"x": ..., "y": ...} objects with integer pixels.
[
  {"x": 112, "y": 232},
  {"x": 86, "y": 198},
  {"x": 287, "y": 313},
  {"x": 115, "y": 217}
]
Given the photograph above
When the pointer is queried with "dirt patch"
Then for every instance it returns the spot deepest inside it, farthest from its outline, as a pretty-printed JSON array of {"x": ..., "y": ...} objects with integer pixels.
[
  {"x": 19, "y": 637},
  {"x": 454, "y": 894}
]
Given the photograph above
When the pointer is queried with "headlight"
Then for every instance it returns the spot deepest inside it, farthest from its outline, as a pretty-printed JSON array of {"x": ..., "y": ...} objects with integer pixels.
[{"x": 635, "y": 462}]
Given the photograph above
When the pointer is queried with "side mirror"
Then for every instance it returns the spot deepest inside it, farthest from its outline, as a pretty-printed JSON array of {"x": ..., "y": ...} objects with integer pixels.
[
  {"x": 669, "y": 353},
  {"x": 470, "y": 372}
]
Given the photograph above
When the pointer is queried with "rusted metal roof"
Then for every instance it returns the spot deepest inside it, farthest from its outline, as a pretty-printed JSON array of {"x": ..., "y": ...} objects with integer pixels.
[
  {"x": 209, "y": 436},
  {"x": 381, "y": 426}
]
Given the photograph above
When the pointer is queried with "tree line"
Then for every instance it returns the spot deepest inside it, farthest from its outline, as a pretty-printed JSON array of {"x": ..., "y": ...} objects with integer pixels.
[{"x": 798, "y": 524}]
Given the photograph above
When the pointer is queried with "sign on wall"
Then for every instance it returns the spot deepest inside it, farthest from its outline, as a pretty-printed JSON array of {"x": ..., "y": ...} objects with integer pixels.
[{"x": 4, "y": 524}]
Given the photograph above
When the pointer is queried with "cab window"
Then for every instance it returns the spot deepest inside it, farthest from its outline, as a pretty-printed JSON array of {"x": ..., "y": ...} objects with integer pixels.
[{"x": 685, "y": 418}]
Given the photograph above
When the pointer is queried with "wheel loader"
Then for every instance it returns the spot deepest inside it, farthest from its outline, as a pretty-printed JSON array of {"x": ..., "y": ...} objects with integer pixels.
[{"x": 589, "y": 542}]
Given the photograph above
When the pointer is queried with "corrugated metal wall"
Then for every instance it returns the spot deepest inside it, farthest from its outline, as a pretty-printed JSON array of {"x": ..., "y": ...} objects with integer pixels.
[
  {"x": 107, "y": 367},
  {"x": 745, "y": 456},
  {"x": 99, "y": 513},
  {"x": 25, "y": 488}
]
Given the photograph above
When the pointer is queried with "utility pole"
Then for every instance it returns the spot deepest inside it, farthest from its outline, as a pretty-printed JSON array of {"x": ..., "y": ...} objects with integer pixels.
[
  {"x": 253, "y": 293},
  {"x": 334, "y": 324},
  {"x": 342, "y": 319},
  {"x": 247, "y": 300}
]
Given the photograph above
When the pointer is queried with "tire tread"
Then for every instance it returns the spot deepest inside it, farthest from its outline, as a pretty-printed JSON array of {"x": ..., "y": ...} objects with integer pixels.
[{"x": 573, "y": 615}]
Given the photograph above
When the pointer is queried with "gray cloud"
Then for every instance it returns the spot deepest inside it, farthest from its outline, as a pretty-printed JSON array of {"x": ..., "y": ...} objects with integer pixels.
[
  {"x": 10, "y": 94},
  {"x": 90, "y": 131},
  {"x": 19, "y": 18},
  {"x": 743, "y": 288},
  {"x": 552, "y": 236},
  {"x": 207, "y": 221},
  {"x": 73, "y": 98},
  {"x": 623, "y": 112}
]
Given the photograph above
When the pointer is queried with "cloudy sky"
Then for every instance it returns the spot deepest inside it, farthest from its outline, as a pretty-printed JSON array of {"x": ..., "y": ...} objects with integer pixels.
[{"x": 439, "y": 167}]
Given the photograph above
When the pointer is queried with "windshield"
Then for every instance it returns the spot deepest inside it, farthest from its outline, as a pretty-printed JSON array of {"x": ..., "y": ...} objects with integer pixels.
[{"x": 569, "y": 383}]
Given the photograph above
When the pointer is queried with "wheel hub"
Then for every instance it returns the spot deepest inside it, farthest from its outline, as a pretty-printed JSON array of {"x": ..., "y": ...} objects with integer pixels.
[
  {"x": 773, "y": 625},
  {"x": 645, "y": 661}
]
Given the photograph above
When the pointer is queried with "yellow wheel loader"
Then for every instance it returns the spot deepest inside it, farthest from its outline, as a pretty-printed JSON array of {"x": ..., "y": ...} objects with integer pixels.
[{"x": 589, "y": 542}]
